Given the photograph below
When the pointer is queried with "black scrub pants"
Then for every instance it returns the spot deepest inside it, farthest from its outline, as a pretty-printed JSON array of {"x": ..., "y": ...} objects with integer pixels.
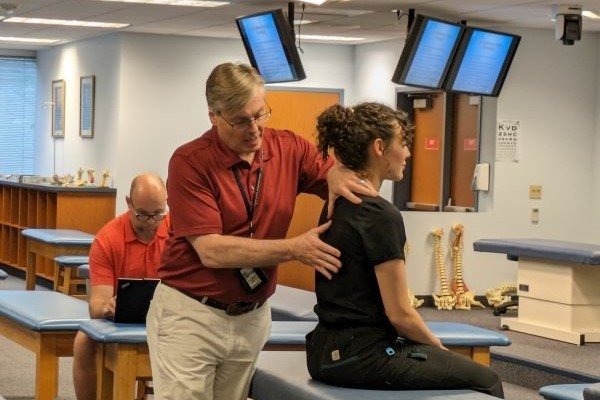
[{"x": 374, "y": 358}]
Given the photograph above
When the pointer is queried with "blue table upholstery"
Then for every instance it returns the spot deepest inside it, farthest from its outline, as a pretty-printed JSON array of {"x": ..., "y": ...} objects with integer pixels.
[
  {"x": 563, "y": 392},
  {"x": 294, "y": 332},
  {"x": 283, "y": 375},
  {"x": 592, "y": 392},
  {"x": 101, "y": 330},
  {"x": 59, "y": 236},
  {"x": 580, "y": 253},
  {"x": 104, "y": 331},
  {"x": 43, "y": 310},
  {"x": 84, "y": 271},
  {"x": 72, "y": 261},
  {"x": 291, "y": 304},
  {"x": 457, "y": 334}
]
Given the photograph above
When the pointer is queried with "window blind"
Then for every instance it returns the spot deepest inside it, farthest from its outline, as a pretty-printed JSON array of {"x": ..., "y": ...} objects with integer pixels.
[{"x": 17, "y": 114}]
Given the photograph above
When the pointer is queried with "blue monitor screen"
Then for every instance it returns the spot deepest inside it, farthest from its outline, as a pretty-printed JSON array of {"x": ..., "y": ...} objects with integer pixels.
[
  {"x": 267, "y": 42},
  {"x": 482, "y": 62},
  {"x": 433, "y": 54},
  {"x": 428, "y": 52}
]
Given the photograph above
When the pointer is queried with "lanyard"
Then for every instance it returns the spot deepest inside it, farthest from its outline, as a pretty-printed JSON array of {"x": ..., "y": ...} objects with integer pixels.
[{"x": 250, "y": 207}]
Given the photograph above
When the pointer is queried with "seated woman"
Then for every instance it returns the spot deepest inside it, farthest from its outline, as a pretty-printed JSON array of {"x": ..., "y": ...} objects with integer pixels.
[{"x": 368, "y": 334}]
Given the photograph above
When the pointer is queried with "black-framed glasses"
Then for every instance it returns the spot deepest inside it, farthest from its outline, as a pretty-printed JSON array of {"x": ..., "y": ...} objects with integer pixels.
[
  {"x": 241, "y": 126},
  {"x": 145, "y": 217}
]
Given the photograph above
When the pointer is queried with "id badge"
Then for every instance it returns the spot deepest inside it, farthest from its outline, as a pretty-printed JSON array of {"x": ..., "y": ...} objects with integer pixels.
[{"x": 252, "y": 279}]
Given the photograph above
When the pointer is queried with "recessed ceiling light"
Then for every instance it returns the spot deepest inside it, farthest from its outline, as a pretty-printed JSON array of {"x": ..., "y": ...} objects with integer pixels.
[
  {"x": 590, "y": 14},
  {"x": 331, "y": 38},
  {"x": 65, "y": 22},
  {"x": 187, "y": 3},
  {"x": 26, "y": 40},
  {"x": 302, "y": 22},
  {"x": 315, "y": 2}
]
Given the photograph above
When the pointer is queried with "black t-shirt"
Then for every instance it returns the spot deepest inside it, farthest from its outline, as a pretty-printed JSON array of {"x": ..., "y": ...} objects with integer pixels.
[{"x": 367, "y": 234}]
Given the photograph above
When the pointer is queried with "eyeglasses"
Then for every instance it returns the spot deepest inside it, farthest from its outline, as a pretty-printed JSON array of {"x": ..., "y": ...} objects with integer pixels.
[
  {"x": 259, "y": 120},
  {"x": 145, "y": 217}
]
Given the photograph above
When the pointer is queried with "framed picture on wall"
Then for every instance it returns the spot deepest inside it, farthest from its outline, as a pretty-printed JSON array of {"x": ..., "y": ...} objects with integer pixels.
[
  {"x": 58, "y": 108},
  {"x": 87, "y": 88}
]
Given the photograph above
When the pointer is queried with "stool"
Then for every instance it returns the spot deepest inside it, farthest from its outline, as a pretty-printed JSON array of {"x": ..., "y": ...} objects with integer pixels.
[
  {"x": 49, "y": 243},
  {"x": 65, "y": 281},
  {"x": 83, "y": 271}
]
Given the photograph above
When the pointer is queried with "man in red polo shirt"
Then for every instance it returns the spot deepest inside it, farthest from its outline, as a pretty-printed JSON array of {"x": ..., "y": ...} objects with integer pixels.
[
  {"x": 128, "y": 246},
  {"x": 231, "y": 195}
]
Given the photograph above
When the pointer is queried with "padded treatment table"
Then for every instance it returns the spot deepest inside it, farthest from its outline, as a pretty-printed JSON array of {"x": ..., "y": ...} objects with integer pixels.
[
  {"x": 123, "y": 355},
  {"x": 592, "y": 392},
  {"x": 66, "y": 277},
  {"x": 44, "y": 322},
  {"x": 291, "y": 304},
  {"x": 50, "y": 243},
  {"x": 284, "y": 375},
  {"x": 468, "y": 340},
  {"x": 558, "y": 287},
  {"x": 563, "y": 392}
]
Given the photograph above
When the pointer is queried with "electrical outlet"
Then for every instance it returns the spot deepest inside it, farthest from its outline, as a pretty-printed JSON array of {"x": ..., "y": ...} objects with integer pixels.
[
  {"x": 535, "y": 215},
  {"x": 535, "y": 192}
]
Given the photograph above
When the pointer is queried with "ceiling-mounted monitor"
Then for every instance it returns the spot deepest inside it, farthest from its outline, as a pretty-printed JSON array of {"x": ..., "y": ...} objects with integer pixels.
[
  {"x": 269, "y": 41},
  {"x": 482, "y": 62},
  {"x": 428, "y": 52}
]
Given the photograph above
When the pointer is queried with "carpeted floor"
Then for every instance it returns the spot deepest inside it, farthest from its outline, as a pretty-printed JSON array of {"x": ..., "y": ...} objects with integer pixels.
[{"x": 583, "y": 360}]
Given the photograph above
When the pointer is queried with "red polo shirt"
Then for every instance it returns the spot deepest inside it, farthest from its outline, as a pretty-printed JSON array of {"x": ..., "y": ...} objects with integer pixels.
[
  {"x": 204, "y": 198},
  {"x": 117, "y": 252}
]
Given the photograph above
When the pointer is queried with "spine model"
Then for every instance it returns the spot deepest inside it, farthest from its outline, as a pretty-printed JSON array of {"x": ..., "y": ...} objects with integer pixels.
[
  {"x": 446, "y": 299},
  {"x": 464, "y": 298}
]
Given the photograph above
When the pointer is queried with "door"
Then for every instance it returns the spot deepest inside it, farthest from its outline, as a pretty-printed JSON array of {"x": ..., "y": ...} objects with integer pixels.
[{"x": 298, "y": 110}]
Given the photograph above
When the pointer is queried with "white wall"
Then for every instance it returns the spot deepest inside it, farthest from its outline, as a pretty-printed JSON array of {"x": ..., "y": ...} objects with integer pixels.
[
  {"x": 596, "y": 166},
  {"x": 99, "y": 57},
  {"x": 149, "y": 100},
  {"x": 162, "y": 92},
  {"x": 552, "y": 90}
]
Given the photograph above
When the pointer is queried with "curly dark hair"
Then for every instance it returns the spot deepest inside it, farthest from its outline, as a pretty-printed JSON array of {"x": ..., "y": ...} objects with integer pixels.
[{"x": 350, "y": 131}]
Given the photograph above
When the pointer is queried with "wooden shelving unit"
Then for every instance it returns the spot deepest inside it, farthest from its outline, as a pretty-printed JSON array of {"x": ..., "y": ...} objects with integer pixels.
[{"x": 25, "y": 206}]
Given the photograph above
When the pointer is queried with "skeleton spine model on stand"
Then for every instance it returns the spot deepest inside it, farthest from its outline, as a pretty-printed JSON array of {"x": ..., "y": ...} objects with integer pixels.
[
  {"x": 501, "y": 294},
  {"x": 446, "y": 299},
  {"x": 464, "y": 297}
]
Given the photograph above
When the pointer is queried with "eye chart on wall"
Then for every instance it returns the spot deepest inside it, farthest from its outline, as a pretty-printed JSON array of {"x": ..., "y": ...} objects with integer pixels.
[{"x": 507, "y": 141}]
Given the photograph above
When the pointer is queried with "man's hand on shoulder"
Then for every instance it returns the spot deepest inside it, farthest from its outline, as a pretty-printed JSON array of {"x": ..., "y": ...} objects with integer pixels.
[{"x": 344, "y": 182}]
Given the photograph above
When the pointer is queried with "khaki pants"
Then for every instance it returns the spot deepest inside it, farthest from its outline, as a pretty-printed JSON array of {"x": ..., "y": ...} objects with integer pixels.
[{"x": 199, "y": 352}]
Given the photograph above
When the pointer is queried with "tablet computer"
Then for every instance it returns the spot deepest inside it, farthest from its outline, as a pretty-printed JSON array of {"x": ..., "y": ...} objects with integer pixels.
[{"x": 133, "y": 299}]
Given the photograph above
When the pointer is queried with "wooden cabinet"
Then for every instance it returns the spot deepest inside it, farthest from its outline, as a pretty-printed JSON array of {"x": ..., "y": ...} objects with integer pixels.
[{"x": 44, "y": 206}]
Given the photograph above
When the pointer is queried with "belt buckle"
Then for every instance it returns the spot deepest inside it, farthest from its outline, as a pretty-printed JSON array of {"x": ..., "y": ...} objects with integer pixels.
[{"x": 238, "y": 308}]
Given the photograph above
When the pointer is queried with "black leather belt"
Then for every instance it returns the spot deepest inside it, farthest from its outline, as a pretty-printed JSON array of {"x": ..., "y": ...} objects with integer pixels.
[{"x": 235, "y": 308}]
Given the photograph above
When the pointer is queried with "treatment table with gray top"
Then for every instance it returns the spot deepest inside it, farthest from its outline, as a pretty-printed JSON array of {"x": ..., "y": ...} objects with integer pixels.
[
  {"x": 283, "y": 375},
  {"x": 558, "y": 287}
]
